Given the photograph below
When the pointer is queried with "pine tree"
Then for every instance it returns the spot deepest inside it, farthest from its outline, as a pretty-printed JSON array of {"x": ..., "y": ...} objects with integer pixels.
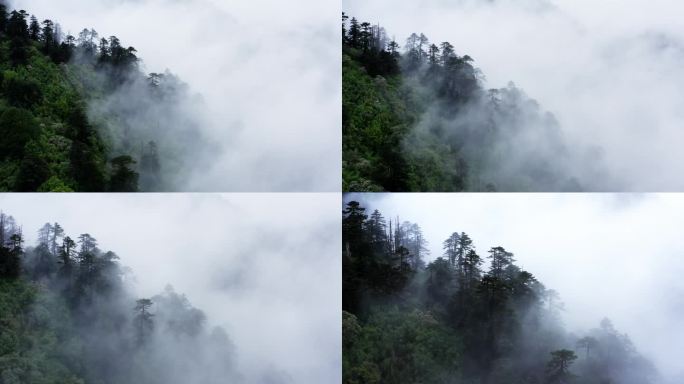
[
  {"x": 34, "y": 29},
  {"x": 143, "y": 320}
]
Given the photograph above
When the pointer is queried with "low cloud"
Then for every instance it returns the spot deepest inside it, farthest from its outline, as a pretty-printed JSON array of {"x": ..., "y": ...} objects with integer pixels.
[
  {"x": 610, "y": 72},
  {"x": 268, "y": 74},
  {"x": 264, "y": 267},
  {"x": 615, "y": 256}
]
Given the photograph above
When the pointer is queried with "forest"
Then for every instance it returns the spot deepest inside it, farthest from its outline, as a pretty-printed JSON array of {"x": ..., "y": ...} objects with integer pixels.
[
  {"x": 68, "y": 316},
  {"x": 416, "y": 117},
  {"x": 464, "y": 317},
  {"x": 78, "y": 114}
]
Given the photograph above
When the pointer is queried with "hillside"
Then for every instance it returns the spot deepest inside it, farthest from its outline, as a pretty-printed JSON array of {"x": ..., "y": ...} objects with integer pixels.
[
  {"x": 67, "y": 316},
  {"x": 420, "y": 119},
  {"x": 463, "y": 317},
  {"x": 78, "y": 114}
]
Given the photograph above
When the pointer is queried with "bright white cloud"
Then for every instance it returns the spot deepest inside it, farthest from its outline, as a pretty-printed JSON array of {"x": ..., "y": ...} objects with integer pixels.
[
  {"x": 266, "y": 267},
  {"x": 616, "y": 256}
]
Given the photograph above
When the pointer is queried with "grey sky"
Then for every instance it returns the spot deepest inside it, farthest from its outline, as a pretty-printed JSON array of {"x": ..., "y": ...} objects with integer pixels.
[
  {"x": 264, "y": 266},
  {"x": 268, "y": 70},
  {"x": 610, "y": 71},
  {"x": 616, "y": 256}
]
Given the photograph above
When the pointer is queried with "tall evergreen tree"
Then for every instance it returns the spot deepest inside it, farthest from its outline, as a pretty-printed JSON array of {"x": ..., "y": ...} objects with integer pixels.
[
  {"x": 34, "y": 28},
  {"x": 143, "y": 320},
  {"x": 3, "y": 17},
  {"x": 559, "y": 366},
  {"x": 17, "y": 26},
  {"x": 124, "y": 178}
]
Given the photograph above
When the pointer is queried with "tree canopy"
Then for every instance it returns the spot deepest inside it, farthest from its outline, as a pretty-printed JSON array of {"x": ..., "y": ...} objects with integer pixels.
[
  {"x": 67, "y": 316},
  {"x": 75, "y": 112},
  {"x": 416, "y": 116},
  {"x": 455, "y": 318}
]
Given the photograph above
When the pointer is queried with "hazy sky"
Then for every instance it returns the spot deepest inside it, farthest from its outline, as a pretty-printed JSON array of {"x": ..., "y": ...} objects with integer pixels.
[
  {"x": 611, "y": 71},
  {"x": 266, "y": 267},
  {"x": 618, "y": 256},
  {"x": 268, "y": 70}
]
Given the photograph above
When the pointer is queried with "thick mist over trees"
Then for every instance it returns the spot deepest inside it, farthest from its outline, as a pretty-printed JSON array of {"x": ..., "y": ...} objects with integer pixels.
[
  {"x": 463, "y": 316},
  {"x": 248, "y": 261},
  {"x": 80, "y": 115},
  {"x": 262, "y": 136},
  {"x": 613, "y": 83},
  {"x": 416, "y": 116},
  {"x": 69, "y": 317}
]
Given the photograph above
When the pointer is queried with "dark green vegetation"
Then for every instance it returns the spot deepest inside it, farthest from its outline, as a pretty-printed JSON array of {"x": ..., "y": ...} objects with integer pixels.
[
  {"x": 421, "y": 121},
  {"x": 67, "y": 317},
  {"x": 77, "y": 114},
  {"x": 455, "y": 321}
]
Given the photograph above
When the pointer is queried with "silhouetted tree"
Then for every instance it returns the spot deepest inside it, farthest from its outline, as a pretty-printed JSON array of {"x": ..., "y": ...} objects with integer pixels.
[
  {"x": 34, "y": 29},
  {"x": 344, "y": 26},
  {"x": 17, "y": 26},
  {"x": 588, "y": 343},
  {"x": 3, "y": 18},
  {"x": 87, "y": 41},
  {"x": 500, "y": 261},
  {"x": 86, "y": 168},
  {"x": 354, "y": 33},
  {"x": 559, "y": 366},
  {"x": 143, "y": 319},
  {"x": 433, "y": 55},
  {"x": 124, "y": 179},
  {"x": 10, "y": 257},
  {"x": 447, "y": 52}
]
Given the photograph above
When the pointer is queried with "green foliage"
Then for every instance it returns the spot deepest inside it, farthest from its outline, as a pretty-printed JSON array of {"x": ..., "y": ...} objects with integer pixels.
[
  {"x": 421, "y": 120},
  {"x": 123, "y": 179},
  {"x": 30, "y": 325},
  {"x": 54, "y": 184},
  {"x": 66, "y": 317},
  {"x": 10, "y": 261},
  {"x": 49, "y": 141},
  {"x": 21, "y": 92},
  {"x": 34, "y": 169},
  {"x": 399, "y": 347},
  {"x": 375, "y": 118},
  {"x": 17, "y": 128},
  {"x": 454, "y": 321},
  {"x": 38, "y": 135}
]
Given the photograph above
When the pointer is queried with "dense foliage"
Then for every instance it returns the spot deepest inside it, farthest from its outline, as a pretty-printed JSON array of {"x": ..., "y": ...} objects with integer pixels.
[
  {"x": 421, "y": 121},
  {"x": 67, "y": 317},
  {"x": 454, "y": 321},
  {"x": 63, "y": 126}
]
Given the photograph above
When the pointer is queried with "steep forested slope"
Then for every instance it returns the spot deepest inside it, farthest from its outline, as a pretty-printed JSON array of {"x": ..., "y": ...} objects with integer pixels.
[
  {"x": 421, "y": 120},
  {"x": 455, "y": 321},
  {"x": 67, "y": 316},
  {"x": 77, "y": 113}
]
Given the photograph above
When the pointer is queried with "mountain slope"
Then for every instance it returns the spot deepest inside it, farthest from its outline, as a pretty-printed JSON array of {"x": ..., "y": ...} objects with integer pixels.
[
  {"x": 78, "y": 114},
  {"x": 67, "y": 315},
  {"x": 421, "y": 120},
  {"x": 465, "y": 317}
]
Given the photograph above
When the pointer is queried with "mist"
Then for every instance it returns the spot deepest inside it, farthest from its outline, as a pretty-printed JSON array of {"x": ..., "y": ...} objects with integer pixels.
[
  {"x": 247, "y": 261},
  {"x": 616, "y": 256},
  {"x": 267, "y": 76},
  {"x": 610, "y": 73}
]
